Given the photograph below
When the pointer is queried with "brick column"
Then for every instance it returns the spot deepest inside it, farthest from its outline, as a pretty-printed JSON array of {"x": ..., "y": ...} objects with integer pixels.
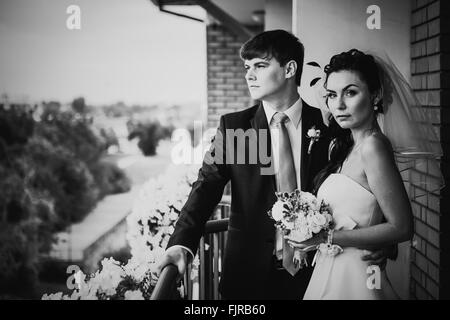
[
  {"x": 430, "y": 68},
  {"x": 227, "y": 89}
]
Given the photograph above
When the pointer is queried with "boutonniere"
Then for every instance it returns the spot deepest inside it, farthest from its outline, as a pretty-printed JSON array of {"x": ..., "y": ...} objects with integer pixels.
[{"x": 314, "y": 135}]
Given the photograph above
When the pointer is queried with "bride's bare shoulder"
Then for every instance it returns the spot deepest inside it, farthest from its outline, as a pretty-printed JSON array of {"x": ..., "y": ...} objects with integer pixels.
[{"x": 376, "y": 146}]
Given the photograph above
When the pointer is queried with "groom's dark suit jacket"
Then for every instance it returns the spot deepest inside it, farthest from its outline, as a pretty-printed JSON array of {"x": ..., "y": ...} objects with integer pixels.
[{"x": 251, "y": 233}]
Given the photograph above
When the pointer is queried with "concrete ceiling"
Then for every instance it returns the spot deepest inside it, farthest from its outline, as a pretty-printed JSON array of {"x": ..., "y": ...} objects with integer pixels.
[{"x": 241, "y": 10}]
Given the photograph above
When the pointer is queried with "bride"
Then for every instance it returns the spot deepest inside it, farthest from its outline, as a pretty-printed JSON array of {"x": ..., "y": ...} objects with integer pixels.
[{"x": 362, "y": 183}]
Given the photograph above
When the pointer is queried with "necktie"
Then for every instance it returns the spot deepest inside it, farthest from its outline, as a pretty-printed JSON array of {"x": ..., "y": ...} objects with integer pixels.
[{"x": 286, "y": 179}]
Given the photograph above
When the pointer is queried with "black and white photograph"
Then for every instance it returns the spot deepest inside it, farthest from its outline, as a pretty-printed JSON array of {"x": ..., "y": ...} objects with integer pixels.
[{"x": 241, "y": 151}]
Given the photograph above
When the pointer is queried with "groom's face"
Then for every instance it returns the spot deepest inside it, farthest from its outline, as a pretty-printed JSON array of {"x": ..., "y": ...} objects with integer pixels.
[{"x": 266, "y": 78}]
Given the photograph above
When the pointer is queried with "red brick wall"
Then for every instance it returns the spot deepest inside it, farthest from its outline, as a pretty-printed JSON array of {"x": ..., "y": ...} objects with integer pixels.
[
  {"x": 430, "y": 68},
  {"x": 227, "y": 89}
]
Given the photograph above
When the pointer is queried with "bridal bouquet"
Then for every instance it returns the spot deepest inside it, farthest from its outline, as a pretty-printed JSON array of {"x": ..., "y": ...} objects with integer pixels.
[{"x": 300, "y": 215}]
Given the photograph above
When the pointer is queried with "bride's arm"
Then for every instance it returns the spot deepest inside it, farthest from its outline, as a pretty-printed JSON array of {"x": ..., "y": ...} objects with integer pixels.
[{"x": 386, "y": 184}]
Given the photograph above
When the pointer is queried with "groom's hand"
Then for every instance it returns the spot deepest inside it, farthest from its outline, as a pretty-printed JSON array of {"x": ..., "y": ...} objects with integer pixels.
[
  {"x": 377, "y": 257},
  {"x": 380, "y": 256},
  {"x": 174, "y": 255}
]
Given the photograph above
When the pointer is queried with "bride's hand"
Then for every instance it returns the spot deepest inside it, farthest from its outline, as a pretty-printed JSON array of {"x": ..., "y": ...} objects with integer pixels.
[{"x": 310, "y": 244}]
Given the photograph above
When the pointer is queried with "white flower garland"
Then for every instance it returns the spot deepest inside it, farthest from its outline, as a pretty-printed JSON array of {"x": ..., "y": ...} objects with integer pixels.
[
  {"x": 113, "y": 281},
  {"x": 156, "y": 210},
  {"x": 150, "y": 224}
]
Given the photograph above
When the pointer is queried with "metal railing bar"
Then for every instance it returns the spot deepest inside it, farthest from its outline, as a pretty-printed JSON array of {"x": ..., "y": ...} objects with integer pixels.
[
  {"x": 214, "y": 230},
  {"x": 166, "y": 285},
  {"x": 214, "y": 226},
  {"x": 216, "y": 266},
  {"x": 201, "y": 273}
]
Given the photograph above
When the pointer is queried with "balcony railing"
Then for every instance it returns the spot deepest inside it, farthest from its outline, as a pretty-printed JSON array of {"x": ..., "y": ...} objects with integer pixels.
[{"x": 210, "y": 251}]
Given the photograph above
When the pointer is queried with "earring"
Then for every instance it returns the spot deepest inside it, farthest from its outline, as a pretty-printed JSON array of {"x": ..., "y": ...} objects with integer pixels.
[{"x": 375, "y": 104}]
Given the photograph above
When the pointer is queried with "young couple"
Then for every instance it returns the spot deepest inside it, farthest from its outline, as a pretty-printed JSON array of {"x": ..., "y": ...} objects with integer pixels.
[{"x": 351, "y": 167}]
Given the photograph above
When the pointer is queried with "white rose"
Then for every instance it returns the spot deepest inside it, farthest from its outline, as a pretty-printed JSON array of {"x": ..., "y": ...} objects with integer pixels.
[
  {"x": 277, "y": 210},
  {"x": 315, "y": 228},
  {"x": 309, "y": 199},
  {"x": 319, "y": 220},
  {"x": 311, "y": 132},
  {"x": 308, "y": 196}
]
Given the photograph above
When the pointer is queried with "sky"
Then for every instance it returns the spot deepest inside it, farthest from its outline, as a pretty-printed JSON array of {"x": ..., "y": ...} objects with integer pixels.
[{"x": 125, "y": 51}]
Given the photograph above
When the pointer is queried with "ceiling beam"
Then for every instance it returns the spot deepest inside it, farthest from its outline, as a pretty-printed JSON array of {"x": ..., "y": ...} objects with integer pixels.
[
  {"x": 215, "y": 11},
  {"x": 225, "y": 19}
]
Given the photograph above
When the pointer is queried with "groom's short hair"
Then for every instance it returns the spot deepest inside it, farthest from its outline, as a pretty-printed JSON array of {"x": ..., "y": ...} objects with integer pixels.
[{"x": 279, "y": 44}]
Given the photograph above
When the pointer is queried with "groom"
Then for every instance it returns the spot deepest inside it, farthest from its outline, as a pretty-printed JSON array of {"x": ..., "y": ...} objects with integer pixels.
[{"x": 256, "y": 264}]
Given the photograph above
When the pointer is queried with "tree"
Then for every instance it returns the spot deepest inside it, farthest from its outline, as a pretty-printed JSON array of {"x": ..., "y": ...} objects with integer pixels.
[
  {"x": 79, "y": 105},
  {"x": 149, "y": 134}
]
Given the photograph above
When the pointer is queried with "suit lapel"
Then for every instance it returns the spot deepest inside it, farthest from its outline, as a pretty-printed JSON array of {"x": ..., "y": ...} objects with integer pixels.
[
  {"x": 306, "y": 125},
  {"x": 259, "y": 122}
]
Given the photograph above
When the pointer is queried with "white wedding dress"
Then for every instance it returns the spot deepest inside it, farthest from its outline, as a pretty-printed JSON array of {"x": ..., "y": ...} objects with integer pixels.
[{"x": 345, "y": 276}]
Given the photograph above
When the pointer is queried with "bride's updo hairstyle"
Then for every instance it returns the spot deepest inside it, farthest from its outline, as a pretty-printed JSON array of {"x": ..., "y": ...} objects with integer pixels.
[{"x": 365, "y": 66}]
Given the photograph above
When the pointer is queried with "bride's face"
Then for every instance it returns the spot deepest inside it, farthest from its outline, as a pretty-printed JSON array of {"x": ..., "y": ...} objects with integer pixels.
[{"x": 349, "y": 100}]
